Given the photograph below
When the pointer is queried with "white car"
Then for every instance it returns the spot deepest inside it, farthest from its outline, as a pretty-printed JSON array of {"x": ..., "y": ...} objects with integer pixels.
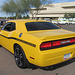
[
  {"x": 63, "y": 22},
  {"x": 72, "y": 22},
  {"x": 55, "y": 22}
]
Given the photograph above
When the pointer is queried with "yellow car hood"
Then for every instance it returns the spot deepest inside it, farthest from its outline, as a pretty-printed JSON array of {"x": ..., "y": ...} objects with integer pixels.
[{"x": 53, "y": 34}]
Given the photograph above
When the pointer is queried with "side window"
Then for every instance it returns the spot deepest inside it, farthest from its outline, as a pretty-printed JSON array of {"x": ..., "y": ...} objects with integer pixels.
[
  {"x": 13, "y": 27},
  {"x": 9, "y": 26}
]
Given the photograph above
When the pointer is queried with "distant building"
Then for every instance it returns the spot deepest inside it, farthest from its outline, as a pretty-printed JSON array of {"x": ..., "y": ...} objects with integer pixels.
[{"x": 56, "y": 10}]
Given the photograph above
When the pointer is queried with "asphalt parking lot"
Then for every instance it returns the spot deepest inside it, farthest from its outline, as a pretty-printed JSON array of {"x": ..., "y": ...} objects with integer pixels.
[{"x": 8, "y": 66}]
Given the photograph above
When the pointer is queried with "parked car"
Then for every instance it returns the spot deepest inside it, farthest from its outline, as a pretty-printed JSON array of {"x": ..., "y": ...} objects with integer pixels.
[
  {"x": 55, "y": 22},
  {"x": 61, "y": 22},
  {"x": 2, "y": 22},
  {"x": 37, "y": 42},
  {"x": 73, "y": 23}
]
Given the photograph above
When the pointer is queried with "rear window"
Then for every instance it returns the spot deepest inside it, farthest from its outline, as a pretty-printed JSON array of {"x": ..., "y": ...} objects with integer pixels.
[{"x": 33, "y": 26}]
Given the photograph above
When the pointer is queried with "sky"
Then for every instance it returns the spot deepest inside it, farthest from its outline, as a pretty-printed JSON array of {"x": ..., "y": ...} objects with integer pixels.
[
  {"x": 3, "y": 14},
  {"x": 63, "y": 1}
]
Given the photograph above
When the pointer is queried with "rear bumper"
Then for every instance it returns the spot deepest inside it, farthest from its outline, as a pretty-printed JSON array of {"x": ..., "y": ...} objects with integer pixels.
[{"x": 54, "y": 56}]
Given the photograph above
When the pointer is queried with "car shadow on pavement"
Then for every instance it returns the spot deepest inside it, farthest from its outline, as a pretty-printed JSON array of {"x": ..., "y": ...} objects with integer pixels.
[{"x": 54, "y": 67}]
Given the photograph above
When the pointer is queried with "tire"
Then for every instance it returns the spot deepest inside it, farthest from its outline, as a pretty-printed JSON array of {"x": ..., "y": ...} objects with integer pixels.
[
  {"x": 20, "y": 57},
  {"x": 0, "y": 46},
  {"x": 66, "y": 23}
]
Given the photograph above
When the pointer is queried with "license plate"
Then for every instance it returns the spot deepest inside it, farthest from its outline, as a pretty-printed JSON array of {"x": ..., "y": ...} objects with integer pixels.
[{"x": 67, "y": 56}]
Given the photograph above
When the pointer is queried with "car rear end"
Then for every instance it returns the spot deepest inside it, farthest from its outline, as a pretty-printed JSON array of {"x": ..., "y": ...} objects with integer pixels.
[
  {"x": 55, "y": 49},
  {"x": 53, "y": 52},
  {"x": 55, "y": 45}
]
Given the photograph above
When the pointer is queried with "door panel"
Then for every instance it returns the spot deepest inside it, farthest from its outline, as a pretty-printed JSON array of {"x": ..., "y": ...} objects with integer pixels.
[
  {"x": 7, "y": 33},
  {"x": 4, "y": 38}
]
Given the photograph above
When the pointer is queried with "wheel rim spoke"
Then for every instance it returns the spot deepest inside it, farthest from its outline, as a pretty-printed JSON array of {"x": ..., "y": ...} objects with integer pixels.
[{"x": 18, "y": 56}]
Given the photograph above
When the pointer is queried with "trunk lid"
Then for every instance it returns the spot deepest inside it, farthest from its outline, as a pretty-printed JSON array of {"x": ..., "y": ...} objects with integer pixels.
[{"x": 53, "y": 34}]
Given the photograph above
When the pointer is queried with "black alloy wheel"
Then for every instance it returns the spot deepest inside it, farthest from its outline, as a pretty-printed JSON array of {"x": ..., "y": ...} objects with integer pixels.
[{"x": 20, "y": 58}]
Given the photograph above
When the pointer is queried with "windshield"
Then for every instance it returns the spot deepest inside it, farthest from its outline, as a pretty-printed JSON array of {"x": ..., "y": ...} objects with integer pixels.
[{"x": 33, "y": 26}]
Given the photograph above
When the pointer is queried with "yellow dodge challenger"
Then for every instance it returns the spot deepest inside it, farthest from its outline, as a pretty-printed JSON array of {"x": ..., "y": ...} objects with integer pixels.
[{"x": 37, "y": 42}]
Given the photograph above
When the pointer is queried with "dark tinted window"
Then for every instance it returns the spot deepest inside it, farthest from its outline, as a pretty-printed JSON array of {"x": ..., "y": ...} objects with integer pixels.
[
  {"x": 32, "y": 26},
  {"x": 13, "y": 27},
  {"x": 9, "y": 26}
]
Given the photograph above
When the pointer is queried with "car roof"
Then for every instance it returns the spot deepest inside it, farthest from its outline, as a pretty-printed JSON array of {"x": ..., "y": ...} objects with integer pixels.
[
  {"x": 21, "y": 23},
  {"x": 25, "y": 20}
]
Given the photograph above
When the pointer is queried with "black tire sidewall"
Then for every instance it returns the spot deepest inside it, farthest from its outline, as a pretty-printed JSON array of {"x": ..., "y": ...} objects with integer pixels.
[{"x": 24, "y": 63}]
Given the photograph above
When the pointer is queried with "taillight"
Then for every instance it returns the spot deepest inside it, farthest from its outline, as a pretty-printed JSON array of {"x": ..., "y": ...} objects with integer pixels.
[
  {"x": 72, "y": 40},
  {"x": 56, "y": 44},
  {"x": 45, "y": 45}
]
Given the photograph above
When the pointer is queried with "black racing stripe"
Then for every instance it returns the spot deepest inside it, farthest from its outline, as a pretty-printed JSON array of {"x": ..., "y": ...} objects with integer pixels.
[{"x": 19, "y": 40}]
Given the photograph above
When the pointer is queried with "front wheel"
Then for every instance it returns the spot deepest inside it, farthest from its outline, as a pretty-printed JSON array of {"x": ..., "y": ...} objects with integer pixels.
[{"x": 20, "y": 57}]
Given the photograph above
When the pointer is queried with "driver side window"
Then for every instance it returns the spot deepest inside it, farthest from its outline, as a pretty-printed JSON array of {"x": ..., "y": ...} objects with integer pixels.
[{"x": 9, "y": 27}]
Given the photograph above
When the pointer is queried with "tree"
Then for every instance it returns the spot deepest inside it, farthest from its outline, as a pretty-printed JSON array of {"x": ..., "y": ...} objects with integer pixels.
[
  {"x": 24, "y": 17},
  {"x": 69, "y": 15},
  {"x": 25, "y": 5},
  {"x": 38, "y": 5},
  {"x": 13, "y": 7},
  {"x": 72, "y": 15},
  {"x": 66, "y": 16},
  {"x": 19, "y": 7}
]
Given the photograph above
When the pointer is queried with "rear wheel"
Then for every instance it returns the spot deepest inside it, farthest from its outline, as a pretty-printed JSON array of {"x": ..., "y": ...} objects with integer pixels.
[
  {"x": 20, "y": 57},
  {"x": 0, "y": 46}
]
